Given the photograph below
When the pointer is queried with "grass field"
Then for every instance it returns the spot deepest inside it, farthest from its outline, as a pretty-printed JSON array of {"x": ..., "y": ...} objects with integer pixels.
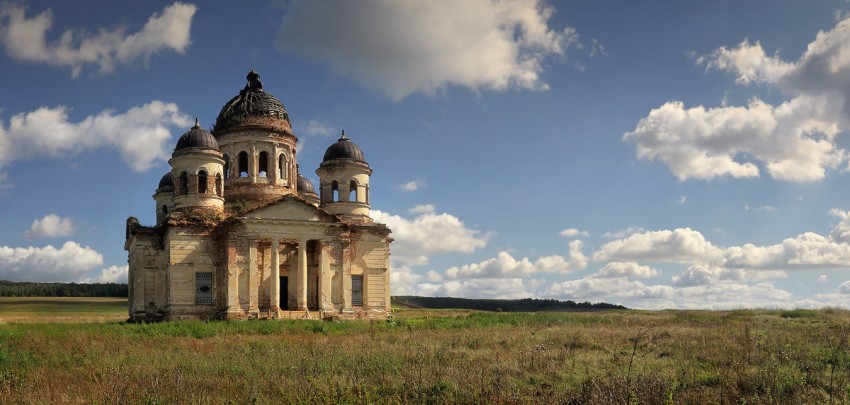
[
  {"x": 747, "y": 356},
  {"x": 62, "y": 309}
]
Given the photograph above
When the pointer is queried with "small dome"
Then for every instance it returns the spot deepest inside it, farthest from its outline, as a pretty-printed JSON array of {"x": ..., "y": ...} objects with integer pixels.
[
  {"x": 305, "y": 186},
  {"x": 196, "y": 137},
  {"x": 344, "y": 149},
  {"x": 167, "y": 180},
  {"x": 252, "y": 101}
]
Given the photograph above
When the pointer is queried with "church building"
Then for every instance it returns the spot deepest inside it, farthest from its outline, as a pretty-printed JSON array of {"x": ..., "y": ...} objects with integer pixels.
[{"x": 241, "y": 234}]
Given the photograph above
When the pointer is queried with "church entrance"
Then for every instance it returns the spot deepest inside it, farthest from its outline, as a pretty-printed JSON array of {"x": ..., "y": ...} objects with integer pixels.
[{"x": 284, "y": 293}]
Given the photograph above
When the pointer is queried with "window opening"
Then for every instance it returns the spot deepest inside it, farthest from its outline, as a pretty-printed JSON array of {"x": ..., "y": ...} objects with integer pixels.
[
  {"x": 203, "y": 288},
  {"x": 264, "y": 164},
  {"x": 357, "y": 291},
  {"x": 352, "y": 191},
  {"x": 243, "y": 164},
  {"x": 184, "y": 183},
  {"x": 202, "y": 182}
]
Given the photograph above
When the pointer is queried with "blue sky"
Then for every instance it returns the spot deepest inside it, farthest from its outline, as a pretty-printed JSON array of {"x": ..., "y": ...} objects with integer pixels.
[{"x": 656, "y": 154}]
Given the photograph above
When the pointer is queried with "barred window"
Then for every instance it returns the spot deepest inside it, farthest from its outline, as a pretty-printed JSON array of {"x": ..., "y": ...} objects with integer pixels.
[
  {"x": 203, "y": 288},
  {"x": 357, "y": 291}
]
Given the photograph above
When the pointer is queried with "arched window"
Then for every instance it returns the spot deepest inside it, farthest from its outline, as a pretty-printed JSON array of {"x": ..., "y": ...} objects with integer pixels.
[
  {"x": 202, "y": 182},
  {"x": 264, "y": 164},
  {"x": 352, "y": 191},
  {"x": 226, "y": 167},
  {"x": 184, "y": 183},
  {"x": 335, "y": 190},
  {"x": 218, "y": 185},
  {"x": 281, "y": 166},
  {"x": 165, "y": 209},
  {"x": 243, "y": 164}
]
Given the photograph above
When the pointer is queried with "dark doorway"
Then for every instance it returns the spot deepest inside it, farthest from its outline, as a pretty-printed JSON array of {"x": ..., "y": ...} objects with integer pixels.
[{"x": 284, "y": 292}]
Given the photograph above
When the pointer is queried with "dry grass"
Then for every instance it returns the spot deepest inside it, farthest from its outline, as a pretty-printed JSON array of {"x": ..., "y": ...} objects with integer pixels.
[{"x": 605, "y": 357}]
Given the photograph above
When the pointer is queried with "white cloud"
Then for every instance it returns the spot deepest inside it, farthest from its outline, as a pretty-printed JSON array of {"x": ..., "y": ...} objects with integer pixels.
[
  {"x": 140, "y": 134},
  {"x": 423, "y": 209},
  {"x": 571, "y": 232},
  {"x": 25, "y": 39},
  {"x": 791, "y": 141},
  {"x": 505, "y": 266},
  {"x": 403, "y": 47},
  {"x": 413, "y": 185},
  {"x": 427, "y": 234},
  {"x": 67, "y": 263},
  {"x": 111, "y": 274},
  {"x": 622, "y": 233},
  {"x": 502, "y": 288},
  {"x": 625, "y": 269},
  {"x": 844, "y": 288},
  {"x": 51, "y": 226},
  {"x": 822, "y": 279},
  {"x": 761, "y": 208},
  {"x": 682, "y": 245},
  {"x": 318, "y": 128}
]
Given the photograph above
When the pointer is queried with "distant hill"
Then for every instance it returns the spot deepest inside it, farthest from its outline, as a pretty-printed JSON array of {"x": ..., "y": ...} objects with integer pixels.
[
  {"x": 30, "y": 289},
  {"x": 520, "y": 305}
]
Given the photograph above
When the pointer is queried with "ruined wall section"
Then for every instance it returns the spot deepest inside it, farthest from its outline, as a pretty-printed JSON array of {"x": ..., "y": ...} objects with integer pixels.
[
  {"x": 146, "y": 262},
  {"x": 190, "y": 251}
]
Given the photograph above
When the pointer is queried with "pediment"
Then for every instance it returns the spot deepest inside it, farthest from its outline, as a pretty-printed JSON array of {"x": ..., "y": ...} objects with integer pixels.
[{"x": 291, "y": 208}]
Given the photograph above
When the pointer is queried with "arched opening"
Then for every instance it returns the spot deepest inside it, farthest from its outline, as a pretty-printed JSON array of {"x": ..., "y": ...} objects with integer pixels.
[
  {"x": 184, "y": 183},
  {"x": 335, "y": 191},
  {"x": 226, "y": 167},
  {"x": 264, "y": 164},
  {"x": 165, "y": 209},
  {"x": 281, "y": 166},
  {"x": 219, "y": 191},
  {"x": 202, "y": 182},
  {"x": 352, "y": 191},
  {"x": 243, "y": 164}
]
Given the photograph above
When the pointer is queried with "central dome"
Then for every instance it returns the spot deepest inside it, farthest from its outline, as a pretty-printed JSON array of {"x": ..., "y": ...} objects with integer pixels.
[{"x": 251, "y": 102}]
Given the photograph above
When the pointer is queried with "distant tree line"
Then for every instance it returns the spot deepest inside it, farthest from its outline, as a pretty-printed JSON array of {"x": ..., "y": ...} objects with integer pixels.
[
  {"x": 30, "y": 289},
  {"x": 520, "y": 305}
]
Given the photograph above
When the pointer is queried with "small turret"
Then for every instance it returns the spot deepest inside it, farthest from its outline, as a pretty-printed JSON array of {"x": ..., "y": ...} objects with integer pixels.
[
  {"x": 197, "y": 171},
  {"x": 344, "y": 178}
]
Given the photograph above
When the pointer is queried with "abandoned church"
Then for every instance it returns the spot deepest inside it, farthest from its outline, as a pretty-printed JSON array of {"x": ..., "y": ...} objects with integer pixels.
[{"x": 241, "y": 234}]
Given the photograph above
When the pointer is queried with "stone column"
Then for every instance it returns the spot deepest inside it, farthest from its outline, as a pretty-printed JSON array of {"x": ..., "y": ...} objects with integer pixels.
[
  {"x": 301, "y": 297},
  {"x": 232, "y": 271},
  {"x": 253, "y": 276},
  {"x": 324, "y": 279},
  {"x": 346, "y": 279},
  {"x": 275, "y": 274}
]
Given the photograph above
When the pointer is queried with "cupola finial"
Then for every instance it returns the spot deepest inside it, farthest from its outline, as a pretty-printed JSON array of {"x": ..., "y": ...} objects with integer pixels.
[
  {"x": 197, "y": 124},
  {"x": 343, "y": 135},
  {"x": 254, "y": 82}
]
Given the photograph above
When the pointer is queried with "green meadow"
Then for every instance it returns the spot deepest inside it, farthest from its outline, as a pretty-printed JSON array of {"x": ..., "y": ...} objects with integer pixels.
[{"x": 606, "y": 357}]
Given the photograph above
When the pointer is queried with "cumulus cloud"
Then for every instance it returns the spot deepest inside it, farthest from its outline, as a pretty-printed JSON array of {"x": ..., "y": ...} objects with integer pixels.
[
  {"x": 51, "y": 226},
  {"x": 25, "y": 39},
  {"x": 423, "y": 209},
  {"x": 682, "y": 245},
  {"x": 505, "y": 266},
  {"x": 412, "y": 185},
  {"x": 622, "y": 233},
  {"x": 427, "y": 234},
  {"x": 792, "y": 141},
  {"x": 625, "y": 269},
  {"x": 67, "y": 263},
  {"x": 503, "y": 288},
  {"x": 403, "y": 47},
  {"x": 140, "y": 134},
  {"x": 318, "y": 128},
  {"x": 111, "y": 274},
  {"x": 572, "y": 232}
]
